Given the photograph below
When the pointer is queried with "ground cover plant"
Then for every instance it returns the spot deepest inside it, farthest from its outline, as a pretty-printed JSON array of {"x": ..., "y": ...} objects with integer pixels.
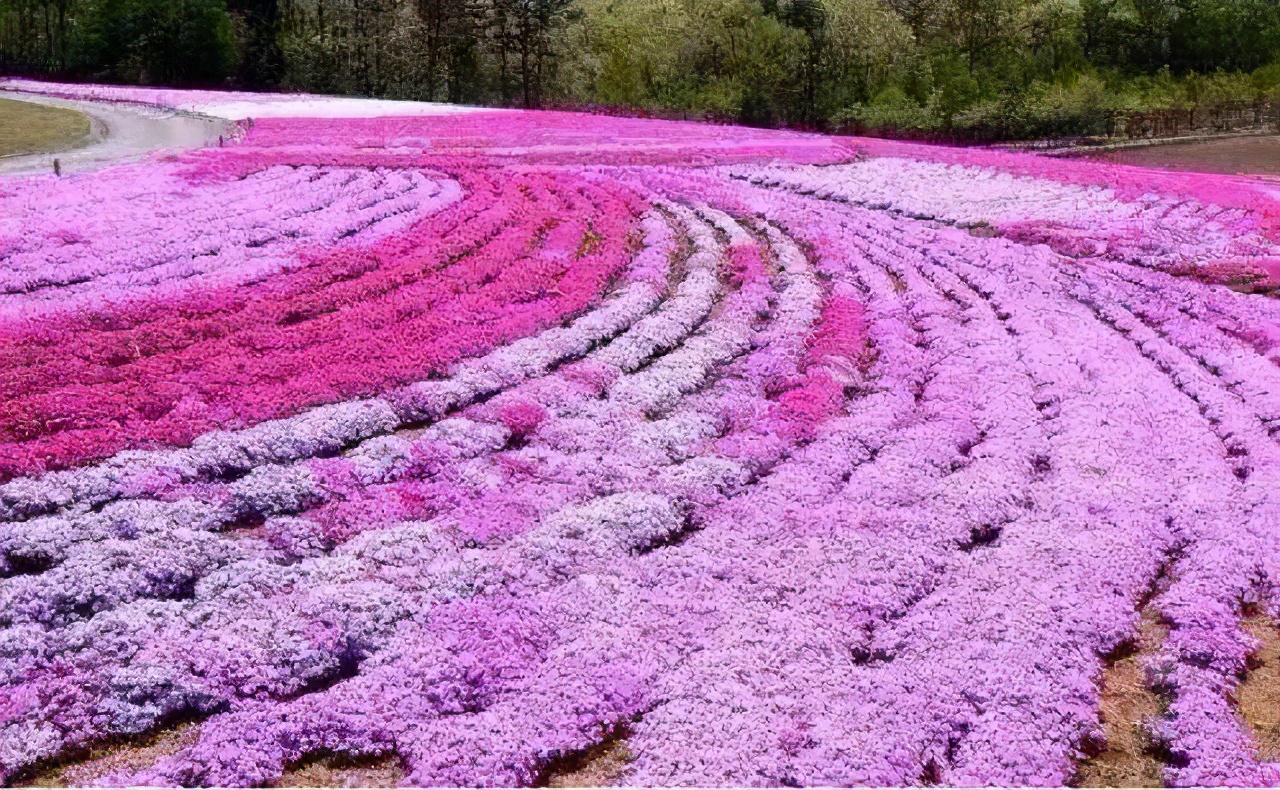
[{"x": 484, "y": 442}]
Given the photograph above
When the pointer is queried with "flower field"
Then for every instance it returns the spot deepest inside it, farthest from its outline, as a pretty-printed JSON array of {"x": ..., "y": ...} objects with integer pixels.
[{"x": 476, "y": 440}]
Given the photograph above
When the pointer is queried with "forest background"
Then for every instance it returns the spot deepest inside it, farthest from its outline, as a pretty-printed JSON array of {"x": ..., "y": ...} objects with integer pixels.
[{"x": 961, "y": 69}]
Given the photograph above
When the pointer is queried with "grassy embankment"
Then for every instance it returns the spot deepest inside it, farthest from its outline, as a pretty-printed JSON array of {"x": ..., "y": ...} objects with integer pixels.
[{"x": 27, "y": 128}]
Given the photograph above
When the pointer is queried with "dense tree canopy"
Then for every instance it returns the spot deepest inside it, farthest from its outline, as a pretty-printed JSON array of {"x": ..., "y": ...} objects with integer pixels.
[{"x": 1011, "y": 67}]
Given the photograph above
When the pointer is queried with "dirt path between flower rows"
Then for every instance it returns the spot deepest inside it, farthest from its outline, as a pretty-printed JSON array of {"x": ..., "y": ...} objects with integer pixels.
[
  {"x": 120, "y": 132},
  {"x": 602, "y": 766},
  {"x": 1127, "y": 758},
  {"x": 1131, "y": 756},
  {"x": 1259, "y": 694}
]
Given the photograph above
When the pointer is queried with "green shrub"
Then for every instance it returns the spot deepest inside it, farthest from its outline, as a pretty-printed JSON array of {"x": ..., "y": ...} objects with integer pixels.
[{"x": 892, "y": 109}]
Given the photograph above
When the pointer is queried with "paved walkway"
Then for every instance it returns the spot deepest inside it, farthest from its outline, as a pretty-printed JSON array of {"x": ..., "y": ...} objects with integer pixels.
[{"x": 121, "y": 131}]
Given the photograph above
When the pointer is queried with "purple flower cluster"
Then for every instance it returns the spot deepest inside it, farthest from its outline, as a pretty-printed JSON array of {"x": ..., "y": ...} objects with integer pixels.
[{"x": 851, "y": 474}]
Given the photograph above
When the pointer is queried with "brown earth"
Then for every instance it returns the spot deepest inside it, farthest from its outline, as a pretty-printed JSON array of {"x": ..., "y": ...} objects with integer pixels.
[
  {"x": 105, "y": 760},
  {"x": 604, "y": 765},
  {"x": 320, "y": 771},
  {"x": 1128, "y": 758},
  {"x": 1244, "y": 155},
  {"x": 1258, "y": 695},
  {"x": 341, "y": 771},
  {"x": 601, "y": 766}
]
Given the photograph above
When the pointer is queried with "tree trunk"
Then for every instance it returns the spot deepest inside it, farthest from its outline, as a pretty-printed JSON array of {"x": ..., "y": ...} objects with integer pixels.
[{"x": 524, "y": 66}]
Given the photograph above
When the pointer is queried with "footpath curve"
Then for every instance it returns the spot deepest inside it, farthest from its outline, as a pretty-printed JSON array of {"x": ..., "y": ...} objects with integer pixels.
[{"x": 120, "y": 131}]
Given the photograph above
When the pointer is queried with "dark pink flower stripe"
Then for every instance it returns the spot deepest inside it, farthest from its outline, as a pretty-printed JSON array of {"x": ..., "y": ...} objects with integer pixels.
[{"x": 353, "y": 321}]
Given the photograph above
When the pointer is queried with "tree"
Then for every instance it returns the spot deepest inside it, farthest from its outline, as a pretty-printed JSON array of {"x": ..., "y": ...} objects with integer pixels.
[
  {"x": 451, "y": 29},
  {"x": 168, "y": 42},
  {"x": 261, "y": 56},
  {"x": 522, "y": 30},
  {"x": 1229, "y": 34},
  {"x": 809, "y": 17}
]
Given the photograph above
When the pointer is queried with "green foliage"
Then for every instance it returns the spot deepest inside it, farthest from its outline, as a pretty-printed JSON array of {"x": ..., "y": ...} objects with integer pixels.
[
  {"x": 1226, "y": 34},
  {"x": 261, "y": 57},
  {"x": 891, "y": 110},
  {"x": 980, "y": 69},
  {"x": 144, "y": 41},
  {"x": 791, "y": 61},
  {"x": 173, "y": 42},
  {"x": 1187, "y": 35}
]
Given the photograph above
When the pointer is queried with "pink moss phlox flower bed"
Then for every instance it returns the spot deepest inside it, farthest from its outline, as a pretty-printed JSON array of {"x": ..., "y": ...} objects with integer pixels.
[{"x": 479, "y": 439}]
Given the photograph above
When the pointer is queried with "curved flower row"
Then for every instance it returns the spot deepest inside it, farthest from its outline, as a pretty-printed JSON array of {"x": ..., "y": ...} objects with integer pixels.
[
  {"x": 480, "y": 440},
  {"x": 135, "y": 369}
]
